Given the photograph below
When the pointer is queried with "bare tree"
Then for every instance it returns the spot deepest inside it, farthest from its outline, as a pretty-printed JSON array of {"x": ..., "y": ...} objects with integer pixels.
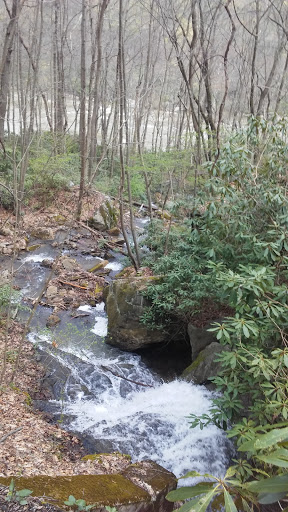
[{"x": 5, "y": 72}]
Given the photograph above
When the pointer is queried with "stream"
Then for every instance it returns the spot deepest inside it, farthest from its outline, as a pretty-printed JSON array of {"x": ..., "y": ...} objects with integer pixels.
[{"x": 115, "y": 400}]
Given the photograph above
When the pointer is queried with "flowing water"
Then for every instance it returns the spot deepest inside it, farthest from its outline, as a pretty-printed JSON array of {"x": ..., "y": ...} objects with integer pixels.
[{"x": 111, "y": 398}]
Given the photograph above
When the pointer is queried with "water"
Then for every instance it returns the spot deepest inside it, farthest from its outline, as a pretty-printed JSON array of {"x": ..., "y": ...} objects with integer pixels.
[{"x": 114, "y": 401}]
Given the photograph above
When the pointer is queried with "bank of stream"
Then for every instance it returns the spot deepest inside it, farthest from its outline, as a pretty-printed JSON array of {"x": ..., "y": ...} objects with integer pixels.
[{"x": 114, "y": 400}]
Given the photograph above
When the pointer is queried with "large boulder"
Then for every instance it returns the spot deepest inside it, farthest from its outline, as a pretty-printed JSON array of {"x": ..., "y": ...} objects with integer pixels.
[
  {"x": 199, "y": 338},
  {"x": 105, "y": 218},
  {"x": 205, "y": 365},
  {"x": 125, "y": 305},
  {"x": 141, "y": 488}
]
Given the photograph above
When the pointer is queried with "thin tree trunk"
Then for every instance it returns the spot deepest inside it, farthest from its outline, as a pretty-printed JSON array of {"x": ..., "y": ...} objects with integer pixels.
[{"x": 82, "y": 125}]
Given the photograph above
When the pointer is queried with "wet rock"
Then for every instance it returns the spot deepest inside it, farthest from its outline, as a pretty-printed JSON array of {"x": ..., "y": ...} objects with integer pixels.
[
  {"x": 47, "y": 263},
  {"x": 141, "y": 488},
  {"x": 43, "y": 233},
  {"x": 125, "y": 305},
  {"x": 53, "y": 320},
  {"x": 205, "y": 365}
]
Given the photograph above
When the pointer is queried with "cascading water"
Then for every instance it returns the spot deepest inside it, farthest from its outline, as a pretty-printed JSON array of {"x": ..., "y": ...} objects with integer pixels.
[{"x": 116, "y": 403}]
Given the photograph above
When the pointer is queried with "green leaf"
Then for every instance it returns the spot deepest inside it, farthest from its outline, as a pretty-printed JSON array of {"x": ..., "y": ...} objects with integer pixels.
[
  {"x": 203, "y": 503},
  {"x": 230, "y": 472},
  {"x": 276, "y": 458},
  {"x": 23, "y": 502},
  {"x": 229, "y": 503},
  {"x": 272, "y": 485},
  {"x": 246, "y": 331},
  {"x": 268, "y": 498},
  {"x": 246, "y": 507},
  {"x": 184, "y": 493},
  {"x": 23, "y": 493},
  {"x": 12, "y": 485},
  {"x": 248, "y": 446},
  {"x": 81, "y": 503},
  {"x": 71, "y": 500},
  {"x": 189, "y": 506},
  {"x": 190, "y": 474},
  {"x": 273, "y": 437}
]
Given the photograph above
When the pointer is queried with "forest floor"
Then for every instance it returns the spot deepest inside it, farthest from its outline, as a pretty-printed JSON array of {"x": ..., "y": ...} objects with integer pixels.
[{"x": 30, "y": 445}]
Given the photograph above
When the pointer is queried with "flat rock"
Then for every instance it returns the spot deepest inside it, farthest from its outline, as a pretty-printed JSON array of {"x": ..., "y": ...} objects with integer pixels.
[{"x": 139, "y": 489}]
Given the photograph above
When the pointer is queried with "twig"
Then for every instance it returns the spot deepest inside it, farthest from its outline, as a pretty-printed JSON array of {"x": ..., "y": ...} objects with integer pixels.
[
  {"x": 126, "y": 378},
  {"x": 10, "y": 434},
  {"x": 80, "y": 316}
]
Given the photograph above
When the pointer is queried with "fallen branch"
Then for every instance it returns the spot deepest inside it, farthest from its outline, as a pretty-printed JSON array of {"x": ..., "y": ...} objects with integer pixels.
[
  {"x": 79, "y": 316},
  {"x": 10, "y": 434},
  {"x": 114, "y": 247},
  {"x": 126, "y": 378},
  {"x": 93, "y": 231},
  {"x": 72, "y": 284}
]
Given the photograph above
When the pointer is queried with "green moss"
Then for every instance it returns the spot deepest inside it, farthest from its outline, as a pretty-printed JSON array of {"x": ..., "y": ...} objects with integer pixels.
[
  {"x": 60, "y": 219},
  {"x": 99, "y": 489},
  {"x": 33, "y": 247},
  {"x": 194, "y": 365},
  {"x": 99, "y": 456},
  {"x": 100, "y": 265}
]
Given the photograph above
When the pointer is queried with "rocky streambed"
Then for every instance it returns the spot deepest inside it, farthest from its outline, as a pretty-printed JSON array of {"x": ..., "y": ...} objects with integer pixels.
[{"x": 113, "y": 400}]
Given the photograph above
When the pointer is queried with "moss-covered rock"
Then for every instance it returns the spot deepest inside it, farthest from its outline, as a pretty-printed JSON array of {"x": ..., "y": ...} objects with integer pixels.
[
  {"x": 205, "y": 365},
  {"x": 142, "y": 489},
  {"x": 125, "y": 305},
  {"x": 99, "y": 266}
]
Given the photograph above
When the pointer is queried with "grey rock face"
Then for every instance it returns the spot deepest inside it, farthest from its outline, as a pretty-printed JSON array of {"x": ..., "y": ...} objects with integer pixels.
[
  {"x": 200, "y": 338},
  {"x": 205, "y": 365}
]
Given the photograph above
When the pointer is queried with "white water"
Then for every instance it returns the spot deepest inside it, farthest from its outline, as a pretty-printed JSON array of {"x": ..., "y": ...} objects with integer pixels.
[
  {"x": 36, "y": 258},
  {"x": 153, "y": 424}
]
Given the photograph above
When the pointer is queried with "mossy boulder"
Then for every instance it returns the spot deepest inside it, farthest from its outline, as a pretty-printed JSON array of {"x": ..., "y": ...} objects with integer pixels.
[
  {"x": 125, "y": 305},
  {"x": 149, "y": 487},
  {"x": 105, "y": 218},
  {"x": 205, "y": 365}
]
